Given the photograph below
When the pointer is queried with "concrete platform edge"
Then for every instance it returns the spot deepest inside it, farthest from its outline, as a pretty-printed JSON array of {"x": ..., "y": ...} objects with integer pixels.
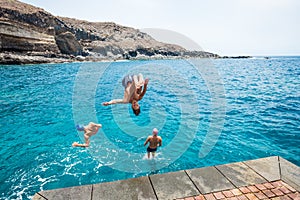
[{"x": 190, "y": 182}]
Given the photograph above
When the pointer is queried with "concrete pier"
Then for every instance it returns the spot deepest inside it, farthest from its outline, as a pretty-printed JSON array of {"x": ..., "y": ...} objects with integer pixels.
[{"x": 265, "y": 178}]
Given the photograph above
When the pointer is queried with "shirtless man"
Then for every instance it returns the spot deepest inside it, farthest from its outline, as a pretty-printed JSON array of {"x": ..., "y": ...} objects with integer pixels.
[
  {"x": 135, "y": 88},
  {"x": 154, "y": 141},
  {"x": 89, "y": 130}
]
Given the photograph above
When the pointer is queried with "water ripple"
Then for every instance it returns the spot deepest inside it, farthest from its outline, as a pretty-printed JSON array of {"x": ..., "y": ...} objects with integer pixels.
[{"x": 37, "y": 125}]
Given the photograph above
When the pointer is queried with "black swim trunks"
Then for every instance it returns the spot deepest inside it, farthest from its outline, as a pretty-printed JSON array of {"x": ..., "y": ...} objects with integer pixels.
[{"x": 151, "y": 150}]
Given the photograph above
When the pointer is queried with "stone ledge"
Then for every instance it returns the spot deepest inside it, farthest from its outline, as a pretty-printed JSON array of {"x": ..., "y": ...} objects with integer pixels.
[
  {"x": 290, "y": 173},
  {"x": 173, "y": 185},
  {"x": 240, "y": 174},
  {"x": 266, "y": 167},
  {"x": 192, "y": 183},
  {"x": 209, "y": 179}
]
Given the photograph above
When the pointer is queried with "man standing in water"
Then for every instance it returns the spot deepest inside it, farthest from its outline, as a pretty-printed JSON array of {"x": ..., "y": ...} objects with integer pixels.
[
  {"x": 154, "y": 141},
  {"x": 135, "y": 88},
  {"x": 89, "y": 130}
]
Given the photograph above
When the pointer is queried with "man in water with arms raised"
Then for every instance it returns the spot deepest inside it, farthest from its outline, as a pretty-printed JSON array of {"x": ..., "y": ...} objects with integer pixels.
[{"x": 135, "y": 88}]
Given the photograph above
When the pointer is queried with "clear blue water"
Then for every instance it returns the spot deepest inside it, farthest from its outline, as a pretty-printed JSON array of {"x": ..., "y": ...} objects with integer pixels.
[{"x": 40, "y": 105}]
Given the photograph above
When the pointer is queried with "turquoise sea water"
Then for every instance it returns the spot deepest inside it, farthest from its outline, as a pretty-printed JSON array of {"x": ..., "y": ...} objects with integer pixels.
[{"x": 40, "y": 105}]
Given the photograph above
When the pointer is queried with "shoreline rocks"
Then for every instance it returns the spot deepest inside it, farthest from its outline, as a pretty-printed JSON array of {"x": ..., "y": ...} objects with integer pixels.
[{"x": 30, "y": 35}]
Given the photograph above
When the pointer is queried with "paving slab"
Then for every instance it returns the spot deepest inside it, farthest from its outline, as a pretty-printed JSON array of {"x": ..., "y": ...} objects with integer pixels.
[
  {"x": 74, "y": 193},
  {"x": 173, "y": 185},
  {"x": 135, "y": 188},
  {"x": 290, "y": 173},
  {"x": 37, "y": 196},
  {"x": 266, "y": 167},
  {"x": 209, "y": 179},
  {"x": 240, "y": 174}
]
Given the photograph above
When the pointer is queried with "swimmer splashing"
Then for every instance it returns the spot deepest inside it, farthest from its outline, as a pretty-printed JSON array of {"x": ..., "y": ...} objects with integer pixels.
[
  {"x": 89, "y": 130},
  {"x": 154, "y": 142}
]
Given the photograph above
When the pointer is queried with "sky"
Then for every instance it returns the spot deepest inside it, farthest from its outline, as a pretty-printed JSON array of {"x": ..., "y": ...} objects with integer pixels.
[{"x": 224, "y": 27}]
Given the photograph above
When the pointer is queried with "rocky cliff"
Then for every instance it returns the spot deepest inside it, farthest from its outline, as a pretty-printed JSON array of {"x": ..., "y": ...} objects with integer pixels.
[{"x": 31, "y": 35}]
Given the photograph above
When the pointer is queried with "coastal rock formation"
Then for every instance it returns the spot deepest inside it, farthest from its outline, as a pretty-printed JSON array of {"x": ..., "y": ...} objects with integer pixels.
[
  {"x": 27, "y": 31},
  {"x": 68, "y": 44},
  {"x": 20, "y": 37},
  {"x": 107, "y": 39}
]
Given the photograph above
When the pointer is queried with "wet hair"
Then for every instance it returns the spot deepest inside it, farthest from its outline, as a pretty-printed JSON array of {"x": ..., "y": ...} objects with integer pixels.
[{"x": 137, "y": 111}]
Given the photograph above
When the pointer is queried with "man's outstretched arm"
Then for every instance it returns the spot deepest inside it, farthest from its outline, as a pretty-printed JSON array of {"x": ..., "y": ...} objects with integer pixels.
[
  {"x": 126, "y": 98},
  {"x": 114, "y": 101}
]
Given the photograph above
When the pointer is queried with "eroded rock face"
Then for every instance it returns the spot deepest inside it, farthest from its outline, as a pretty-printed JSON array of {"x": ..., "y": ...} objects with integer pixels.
[
  {"x": 26, "y": 30},
  {"x": 68, "y": 44},
  {"x": 19, "y": 37},
  {"x": 32, "y": 31}
]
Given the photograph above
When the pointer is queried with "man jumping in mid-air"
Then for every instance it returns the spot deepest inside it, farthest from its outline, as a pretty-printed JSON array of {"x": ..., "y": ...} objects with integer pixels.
[{"x": 135, "y": 88}]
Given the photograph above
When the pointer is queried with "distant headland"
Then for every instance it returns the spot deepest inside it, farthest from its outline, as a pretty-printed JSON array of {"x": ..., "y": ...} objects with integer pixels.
[{"x": 31, "y": 35}]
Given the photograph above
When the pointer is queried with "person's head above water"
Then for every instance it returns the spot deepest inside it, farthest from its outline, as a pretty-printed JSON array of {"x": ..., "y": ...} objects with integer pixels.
[
  {"x": 155, "y": 131},
  {"x": 80, "y": 127},
  {"x": 135, "y": 107}
]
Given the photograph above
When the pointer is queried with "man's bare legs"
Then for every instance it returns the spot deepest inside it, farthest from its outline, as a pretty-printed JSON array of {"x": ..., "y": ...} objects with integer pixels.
[
  {"x": 86, "y": 144},
  {"x": 138, "y": 80},
  {"x": 152, "y": 153}
]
